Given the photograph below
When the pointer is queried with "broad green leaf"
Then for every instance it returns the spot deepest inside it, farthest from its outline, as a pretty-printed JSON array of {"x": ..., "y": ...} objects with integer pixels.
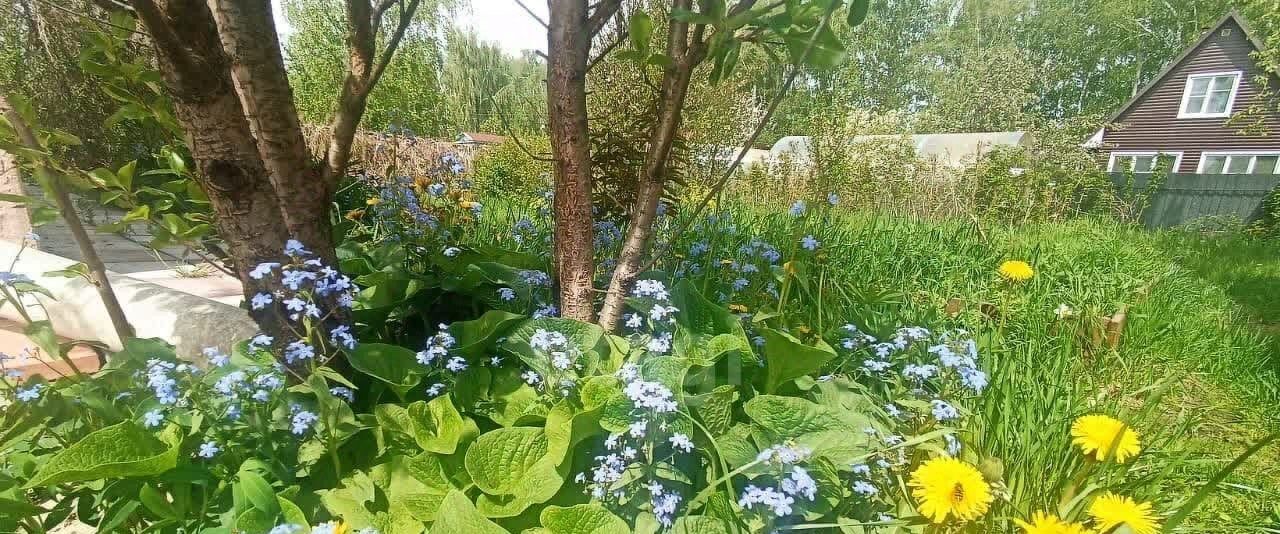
[
  {"x": 392, "y": 364},
  {"x": 15, "y": 509},
  {"x": 582, "y": 519},
  {"x": 41, "y": 333},
  {"x": 121, "y": 450},
  {"x": 712, "y": 329},
  {"x": 641, "y": 28},
  {"x": 858, "y": 12},
  {"x": 259, "y": 492},
  {"x": 463, "y": 518},
  {"x": 786, "y": 358},
  {"x": 474, "y": 336},
  {"x": 155, "y": 501},
  {"x": 701, "y": 524},
  {"x": 125, "y": 174},
  {"x": 500, "y": 458},
  {"x": 715, "y": 409},
  {"x": 140, "y": 213},
  {"x": 827, "y": 432},
  {"x": 437, "y": 425},
  {"x": 587, "y": 337}
]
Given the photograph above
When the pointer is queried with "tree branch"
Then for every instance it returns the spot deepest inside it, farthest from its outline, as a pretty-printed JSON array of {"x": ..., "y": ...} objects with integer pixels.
[
  {"x": 166, "y": 40},
  {"x": 622, "y": 38},
  {"x": 746, "y": 146},
  {"x": 531, "y": 13},
  {"x": 604, "y": 11},
  {"x": 406, "y": 19},
  {"x": 363, "y": 73},
  {"x": 512, "y": 133}
]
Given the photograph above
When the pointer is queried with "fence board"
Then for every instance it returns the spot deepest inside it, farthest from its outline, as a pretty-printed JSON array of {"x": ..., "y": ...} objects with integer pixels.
[{"x": 1187, "y": 197}]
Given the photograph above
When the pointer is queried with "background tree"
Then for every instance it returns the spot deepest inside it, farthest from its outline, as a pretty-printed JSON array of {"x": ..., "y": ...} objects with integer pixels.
[
  {"x": 409, "y": 94},
  {"x": 487, "y": 90}
]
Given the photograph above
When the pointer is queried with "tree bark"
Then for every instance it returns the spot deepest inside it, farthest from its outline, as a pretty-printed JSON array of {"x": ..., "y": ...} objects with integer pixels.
[
  {"x": 568, "y": 48},
  {"x": 231, "y": 171},
  {"x": 248, "y": 36},
  {"x": 97, "y": 271},
  {"x": 653, "y": 177}
]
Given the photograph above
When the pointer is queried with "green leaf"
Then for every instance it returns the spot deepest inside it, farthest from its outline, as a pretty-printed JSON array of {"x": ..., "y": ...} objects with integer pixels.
[
  {"x": 786, "y": 358},
  {"x": 858, "y": 12},
  {"x": 16, "y": 199},
  {"x": 140, "y": 213},
  {"x": 155, "y": 501},
  {"x": 715, "y": 409},
  {"x": 701, "y": 524},
  {"x": 121, "y": 450},
  {"x": 706, "y": 321},
  {"x": 474, "y": 337},
  {"x": 124, "y": 176},
  {"x": 392, "y": 364},
  {"x": 14, "y": 509},
  {"x": 105, "y": 178},
  {"x": 500, "y": 458},
  {"x": 259, "y": 492},
  {"x": 582, "y": 519},
  {"x": 827, "y": 432},
  {"x": 641, "y": 28},
  {"x": 41, "y": 333},
  {"x": 437, "y": 425},
  {"x": 587, "y": 337},
  {"x": 463, "y": 518}
]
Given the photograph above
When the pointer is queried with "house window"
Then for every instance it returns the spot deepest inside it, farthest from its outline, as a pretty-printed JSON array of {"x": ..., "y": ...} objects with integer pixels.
[
  {"x": 1209, "y": 95},
  {"x": 1144, "y": 162},
  {"x": 1239, "y": 163}
]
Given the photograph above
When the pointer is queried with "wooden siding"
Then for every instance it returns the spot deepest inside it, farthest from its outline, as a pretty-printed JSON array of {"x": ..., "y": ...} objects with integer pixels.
[{"x": 1152, "y": 123}]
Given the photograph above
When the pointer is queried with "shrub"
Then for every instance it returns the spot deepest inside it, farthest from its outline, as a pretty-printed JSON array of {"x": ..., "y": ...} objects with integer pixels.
[{"x": 507, "y": 170}]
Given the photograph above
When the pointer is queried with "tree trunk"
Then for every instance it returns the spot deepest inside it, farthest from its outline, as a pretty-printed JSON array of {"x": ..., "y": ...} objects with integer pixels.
[
  {"x": 230, "y": 169},
  {"x": 248, "y": 36},
  {"x": 568, "y": 47},
  {"x": 653, "y": 178}
]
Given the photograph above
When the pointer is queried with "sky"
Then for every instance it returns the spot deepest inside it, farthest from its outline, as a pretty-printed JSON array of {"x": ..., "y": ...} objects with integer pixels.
[{"x": 502, "y": 21}]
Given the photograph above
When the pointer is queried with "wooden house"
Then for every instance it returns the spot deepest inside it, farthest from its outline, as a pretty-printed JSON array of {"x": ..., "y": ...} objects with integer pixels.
[{"x": 1178, "y": 122}]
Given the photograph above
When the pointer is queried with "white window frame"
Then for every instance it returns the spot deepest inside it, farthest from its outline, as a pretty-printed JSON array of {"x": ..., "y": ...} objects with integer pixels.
[
  {"x": 1252, "y": 154},
  {"x": 1111, "y": 161},
  {"x": 1231, "y": 99}
]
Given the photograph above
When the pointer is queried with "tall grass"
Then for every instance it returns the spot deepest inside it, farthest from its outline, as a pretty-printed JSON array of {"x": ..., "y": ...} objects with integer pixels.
[{"x": 1196, "y": 369}]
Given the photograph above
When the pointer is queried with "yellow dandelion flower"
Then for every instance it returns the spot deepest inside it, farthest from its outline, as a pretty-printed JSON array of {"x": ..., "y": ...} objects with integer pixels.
[
  {"x": 1096, "y": 435},
  {"x": 1042, "y": 523},
  {"x": 738, "y": 308},
  {"x": 336, "y": 527},
  {"x": 1109, "y": 511},
  {"x": 949, "y": 487},
  {"x": 1016, "y": 270},
  {"x": 373, "y": 201}
]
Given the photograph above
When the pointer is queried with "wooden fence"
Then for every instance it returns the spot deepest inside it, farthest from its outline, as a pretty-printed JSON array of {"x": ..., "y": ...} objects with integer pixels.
[{"x": 1187, "y": 197}]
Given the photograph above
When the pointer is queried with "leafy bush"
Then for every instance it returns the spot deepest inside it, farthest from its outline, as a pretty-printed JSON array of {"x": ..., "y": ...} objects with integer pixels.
[{"x": 508, "y": 170}]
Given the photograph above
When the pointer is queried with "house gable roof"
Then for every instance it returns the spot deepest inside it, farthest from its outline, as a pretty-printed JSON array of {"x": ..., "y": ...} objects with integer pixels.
[{"x": 1232, "y": 16}]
